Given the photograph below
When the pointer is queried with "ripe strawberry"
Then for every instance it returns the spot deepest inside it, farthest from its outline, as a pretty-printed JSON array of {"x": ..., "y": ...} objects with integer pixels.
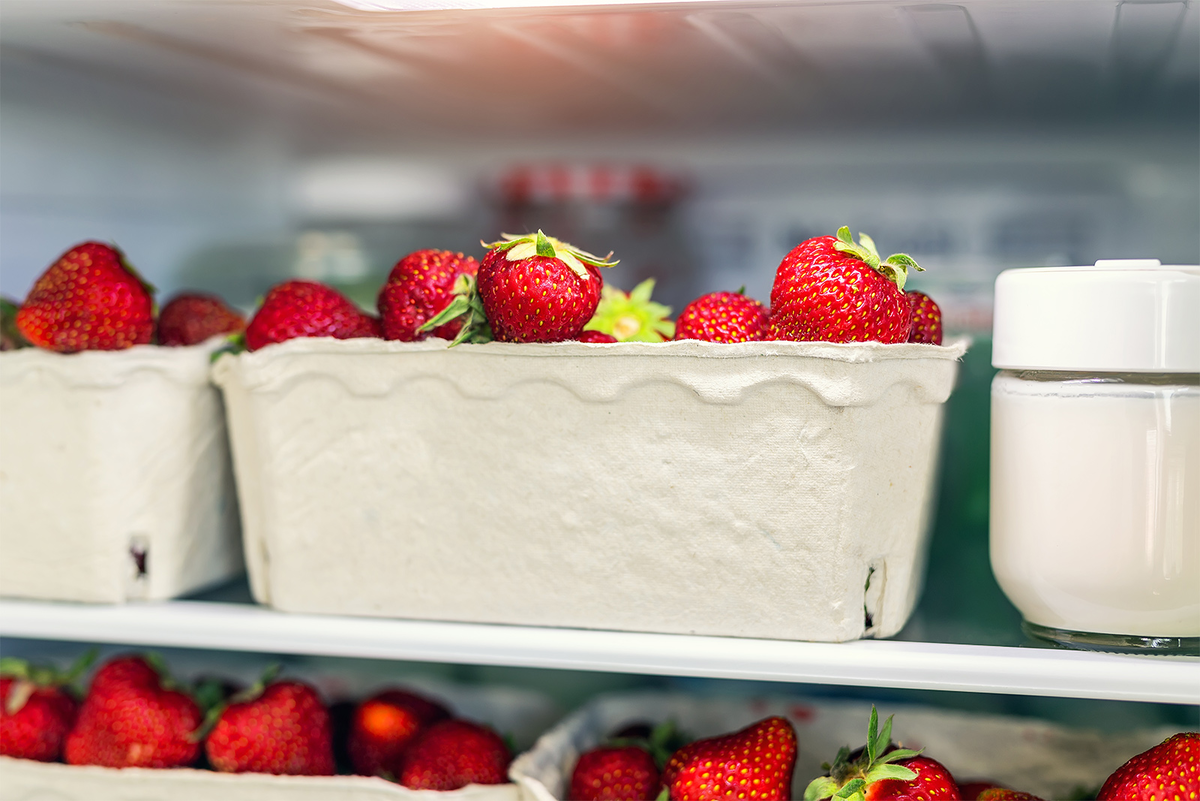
[
  {"x": 595, "y": 337},
  {"x": 385, "y": 725},
  {"x": 880, "y": 771},
  {"x": 192, "y": 317},
  {"x": 452, "y": 754},
  {"x": 614, "y": 773},
  {"x": 1170, "y": 769},
  {"x": 1004, "y": 794},
  {"x": 971, "y": 790},
  {"x": 307, "y": 309},
  {"x": 535, "y": 288},
  {"x": 723, "y": 317},
  {"x": 132, "y": 718},
  {"x": 632, "y": 316},
  {"x": 926, "y": 319},
  {"x": 90, "y": 299},
  {"x": 832, "y": 289},
  {"x": 282, "y": 728},
  {"x": 37, "y": 708},
  {"x": 755, "y": 763},
  {"x": 419, "y": 287}
]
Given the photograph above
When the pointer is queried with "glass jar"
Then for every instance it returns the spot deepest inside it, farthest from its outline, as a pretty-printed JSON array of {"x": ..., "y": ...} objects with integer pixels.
[{"x": 1095, "y": 453}]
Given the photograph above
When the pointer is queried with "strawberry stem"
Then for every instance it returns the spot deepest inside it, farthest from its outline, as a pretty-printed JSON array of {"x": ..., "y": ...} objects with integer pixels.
[{"x": 895, "y": 267}]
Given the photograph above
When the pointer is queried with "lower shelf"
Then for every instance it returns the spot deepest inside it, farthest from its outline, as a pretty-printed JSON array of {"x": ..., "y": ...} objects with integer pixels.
[{"x": 870, "y": 663}]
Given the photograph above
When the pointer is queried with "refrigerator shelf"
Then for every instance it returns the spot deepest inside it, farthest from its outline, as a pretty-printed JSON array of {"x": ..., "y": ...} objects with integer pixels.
[{"x": 872, "y": 663}]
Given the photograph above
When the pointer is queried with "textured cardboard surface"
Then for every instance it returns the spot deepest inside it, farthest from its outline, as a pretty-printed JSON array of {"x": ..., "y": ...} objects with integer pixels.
[
  {"x": 101, "y": 452},
  {"x": 1029, "y": 755},
  {"x": 681, "y": 487}
]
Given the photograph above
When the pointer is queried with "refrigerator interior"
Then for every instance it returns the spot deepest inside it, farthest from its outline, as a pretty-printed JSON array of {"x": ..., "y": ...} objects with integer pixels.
[{"x": 226, "y": 145}]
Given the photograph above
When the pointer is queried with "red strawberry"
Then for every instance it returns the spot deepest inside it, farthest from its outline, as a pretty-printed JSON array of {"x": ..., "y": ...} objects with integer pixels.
[
  {"x": 90, "y": 299},
  {"x": 37, "y": 708},
  {"x": 1169, "y": 770},
  {"x": 723, "y": 317},
  {"x": 971, "y": 790},
  {"x": 1004, "y": 794},
  {"x": 536, "y": 289},
  {"x": 132, "y": 719},
  {"x": 832, "y": 289},
  {"x": 755, "y": 763},
  {"x": 282, "y": 729},
  {"x": 880, "y": 771},
  {"x": 452, "y": 754},
  {"x": 192, "y": 317},
  {"x": 926, "y": 319},
  {"x": 595, "y": 337},
  {"x": 419, "y": 287},
  {"x": 614, "y": 773},
  {"x": 384, "y": 725},
  {"x": 307, "y": 309}
]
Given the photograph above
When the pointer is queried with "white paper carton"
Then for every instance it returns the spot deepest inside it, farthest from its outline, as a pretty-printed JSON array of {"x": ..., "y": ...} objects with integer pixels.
[
  {"x": 115, "y": 477},
  {"x": 508, "y": 710},
  {"x": 679, "y": 487},
  {"x": 1033, "y": 756}
]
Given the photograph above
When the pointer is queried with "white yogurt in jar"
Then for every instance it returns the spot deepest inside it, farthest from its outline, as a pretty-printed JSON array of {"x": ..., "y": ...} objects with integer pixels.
[
  {"x": 1095, "y": 452},
  {"x": 1096, "y": 502}
]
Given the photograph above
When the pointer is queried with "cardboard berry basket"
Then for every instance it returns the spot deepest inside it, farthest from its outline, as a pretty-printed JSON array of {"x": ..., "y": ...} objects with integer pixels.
[
  {"x": 115, "y": 476},
  {"x": 680, "y": 487},
  {"x": 520, "y": 713},
  {"x": 1029, "y": 755}
]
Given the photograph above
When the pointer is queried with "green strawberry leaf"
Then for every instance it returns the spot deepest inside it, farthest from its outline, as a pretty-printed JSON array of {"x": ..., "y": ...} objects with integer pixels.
[
  {"x": 873, "y": 748},
  {"x": 881, "y": 772},
  {"x": 898, "y": 754},
  {"x": 544, "y": 248},
  {"x": 851, "y": 789},
  {"x": 665, "y": 795},
  {"x": 632, "y": 317},
  {"x": 821, "y": 787}
]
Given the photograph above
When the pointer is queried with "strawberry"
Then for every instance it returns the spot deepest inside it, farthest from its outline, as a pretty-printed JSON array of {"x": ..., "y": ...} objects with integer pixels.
[
  {"x": 37, "y": 708},
  {"x": 723, "y": 317},
  {"x": 384, "y": 725},
  {"x": 926, "y": 319},
  {"x": 632, "y": 316},
  {"x": 90, "y": 299},
  {"x": 971, "y": 790},
  {"x": 832, "y": 289},
  {"x": 419, "y": 287},
  {"x": 880, "y": 771},
  {"x": 754, "y": 763},
  {"x": 452, "y": 754},
  {"x": 280, "y": 728},
  {"x": 1170, "y": 769},
  {"x": 132, "y": 717},
  {"x": 534, "y": 288},
  {"x": 192, "y": 317},
  {"x": 1005, "y": 794},
  {"x": 307, "y": 309},
  {"x": 595, "y": 337},
  {"x": 614, "y": 773}
]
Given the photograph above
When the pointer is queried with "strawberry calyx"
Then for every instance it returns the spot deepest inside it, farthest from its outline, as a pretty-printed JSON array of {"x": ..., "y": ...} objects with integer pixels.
[
  {"x": 525, "y": 246},
  {"x": 895, "y": 267},
  {"x": 467, "y": 307},
  {"x": 664, "y": 740},
  {"x": 30, "y": 677},
  {"x": 211, "y": 699},
  {"x": 11, "y": 337},
  {"x": 848, "y": 778},
  {"x": 632, "y": 316}
]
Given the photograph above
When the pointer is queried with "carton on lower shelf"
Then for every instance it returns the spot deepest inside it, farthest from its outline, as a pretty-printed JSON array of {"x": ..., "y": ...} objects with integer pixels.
[
  {"x": 115, "y": 477},
  {"x": 762, "y": 489},
  {"x": 1033, "y": 756}
]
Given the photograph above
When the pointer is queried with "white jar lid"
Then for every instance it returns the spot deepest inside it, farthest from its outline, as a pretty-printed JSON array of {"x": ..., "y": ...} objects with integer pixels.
[{"x": 1135, "y": 316}]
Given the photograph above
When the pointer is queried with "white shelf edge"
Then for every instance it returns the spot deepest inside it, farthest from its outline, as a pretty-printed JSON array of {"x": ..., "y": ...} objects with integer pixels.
[{"x": 872, "y": 663}]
